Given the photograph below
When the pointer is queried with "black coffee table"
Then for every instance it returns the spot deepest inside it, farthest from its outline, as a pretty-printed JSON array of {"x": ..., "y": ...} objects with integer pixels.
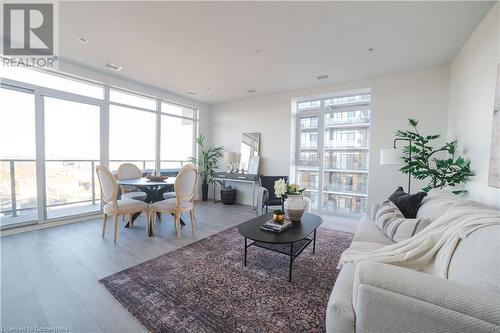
[{"x": 290, "y": 242}]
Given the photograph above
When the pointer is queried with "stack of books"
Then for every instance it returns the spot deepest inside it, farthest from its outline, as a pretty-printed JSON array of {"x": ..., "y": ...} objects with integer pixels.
[{"x": 275, "y": 226}]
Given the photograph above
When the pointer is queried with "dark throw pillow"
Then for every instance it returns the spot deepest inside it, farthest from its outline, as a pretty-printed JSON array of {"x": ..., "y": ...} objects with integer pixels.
[
  {"x": 399, "y": 192},
  {"x": 408, "y": 204}
]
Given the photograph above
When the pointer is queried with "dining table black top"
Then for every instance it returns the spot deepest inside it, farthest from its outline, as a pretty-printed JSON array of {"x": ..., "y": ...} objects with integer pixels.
[
  {"x": 300, "y": 230},
  {"x": 146, "y": 182}
]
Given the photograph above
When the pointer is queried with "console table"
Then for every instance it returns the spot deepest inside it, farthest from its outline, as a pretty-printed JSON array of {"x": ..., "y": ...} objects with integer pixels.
[{"x": 235, "y": 178}]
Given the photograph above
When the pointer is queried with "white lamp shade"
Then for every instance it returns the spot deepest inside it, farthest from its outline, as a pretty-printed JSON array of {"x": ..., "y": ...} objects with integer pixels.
[
  {"x": 229, "y": 156},
  {"x": 390, "y": 156}
]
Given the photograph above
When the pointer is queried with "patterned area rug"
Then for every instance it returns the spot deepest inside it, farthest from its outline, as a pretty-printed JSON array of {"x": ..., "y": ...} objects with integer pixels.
[{"x": 204, "y": 287}]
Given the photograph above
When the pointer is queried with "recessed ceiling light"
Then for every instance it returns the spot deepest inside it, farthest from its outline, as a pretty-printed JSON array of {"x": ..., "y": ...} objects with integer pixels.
[
  {"x": 191, "y": 92},
  {"x": 321, "y": 77},
  {"x": 371, "y": 49},
  {"x": 113, "y": 67},
  {"x": 251, "y": 91},
  {"x": 209, "y": 88},
  {"x": 82, "y": 39}
]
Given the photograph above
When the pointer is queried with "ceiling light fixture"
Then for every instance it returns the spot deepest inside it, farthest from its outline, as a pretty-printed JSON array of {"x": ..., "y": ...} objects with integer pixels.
[
  {"x": 371, "y": 49},
  {"x": 321, "y": 77},
  {"x": 191, "y": 92},
  {"x": 251, "y": 91},
  {"x": 82, "y": 39},
  {"x": 113, "y": 67}
]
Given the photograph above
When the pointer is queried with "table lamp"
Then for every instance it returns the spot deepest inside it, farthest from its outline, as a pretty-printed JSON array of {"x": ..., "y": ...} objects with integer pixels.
[{"x": 230, "y": 159}]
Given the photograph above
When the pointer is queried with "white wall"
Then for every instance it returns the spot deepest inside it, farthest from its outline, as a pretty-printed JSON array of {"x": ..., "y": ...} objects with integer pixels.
[
  {"x": 421, "y": 94},
  {"x": 472, "y": 93}
]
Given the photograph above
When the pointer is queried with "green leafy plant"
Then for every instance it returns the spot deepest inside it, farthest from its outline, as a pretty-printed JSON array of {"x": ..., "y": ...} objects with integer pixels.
[
  {"x": 424, "y": 163},
  {"x": 279, "y": 212},
  {"x": 208, "y": 161}
]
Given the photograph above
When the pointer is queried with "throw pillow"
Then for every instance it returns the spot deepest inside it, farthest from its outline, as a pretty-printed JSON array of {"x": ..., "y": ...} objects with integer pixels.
[
  {"x": 399, "y": 192},
  {"x": 408, "y": 204},
  {"x": 398, "y": 228}
]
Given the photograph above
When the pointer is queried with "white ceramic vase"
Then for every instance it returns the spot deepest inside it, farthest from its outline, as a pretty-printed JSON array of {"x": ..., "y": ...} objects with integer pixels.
[{"x": 294, "y": 207}]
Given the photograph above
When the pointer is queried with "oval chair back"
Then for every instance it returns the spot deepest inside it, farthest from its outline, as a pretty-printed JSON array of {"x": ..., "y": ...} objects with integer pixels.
[
  {"x": 127, "y": 171},
  {"x": 109, "y": 186},
  {"x": 185, "y": 183}
]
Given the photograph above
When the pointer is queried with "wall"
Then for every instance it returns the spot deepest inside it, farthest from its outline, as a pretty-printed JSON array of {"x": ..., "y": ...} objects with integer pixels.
[
  {"x": 471, "y": 99},
  {"x": 422, "y": 94}
]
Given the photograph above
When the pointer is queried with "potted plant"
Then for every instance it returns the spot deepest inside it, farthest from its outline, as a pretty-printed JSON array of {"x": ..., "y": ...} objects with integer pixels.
[
  {"x": 294, "y": 204},
  {"x": 440, "y": 165},
  {"x": 206, "y": 164},
  {"x": 279, "y": 216}
]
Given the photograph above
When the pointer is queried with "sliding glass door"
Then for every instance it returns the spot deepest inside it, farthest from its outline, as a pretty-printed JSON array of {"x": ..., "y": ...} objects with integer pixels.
[
  {"x": 18, "y": 189},
  {"x": 72, "y": 150}
]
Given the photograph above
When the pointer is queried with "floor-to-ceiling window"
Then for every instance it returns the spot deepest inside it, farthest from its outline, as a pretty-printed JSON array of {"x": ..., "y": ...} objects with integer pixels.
[
  {"x": 55, "y": 129},
  {"x": 332, "y": 152}
]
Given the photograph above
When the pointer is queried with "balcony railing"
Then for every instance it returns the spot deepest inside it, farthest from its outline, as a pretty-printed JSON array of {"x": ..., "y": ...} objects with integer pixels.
[{"x": 15, "y": 207}]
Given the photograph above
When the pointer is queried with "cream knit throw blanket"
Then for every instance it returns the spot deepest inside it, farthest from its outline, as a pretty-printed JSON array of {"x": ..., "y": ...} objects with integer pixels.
[{"x": 431, "y": 249}]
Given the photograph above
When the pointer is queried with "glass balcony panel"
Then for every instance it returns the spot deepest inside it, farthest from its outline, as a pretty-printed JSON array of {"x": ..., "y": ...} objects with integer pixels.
[
  {"x": 308, "y": 179},
  {"x": 340, "y": 182},
  {"x": 355, "y": 138},
  {"x": 344, "y": 204},
  {"x": 346, "y": 160}
]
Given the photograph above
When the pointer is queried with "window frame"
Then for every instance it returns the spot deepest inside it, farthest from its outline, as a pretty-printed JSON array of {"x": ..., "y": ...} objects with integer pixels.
[
  {"x": 345, "y": 129},
  {"x": 104, "y": 103}
]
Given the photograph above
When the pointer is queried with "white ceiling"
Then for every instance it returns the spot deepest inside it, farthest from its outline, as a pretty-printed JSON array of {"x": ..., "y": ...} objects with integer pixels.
[{"x": 222, "y": 49}]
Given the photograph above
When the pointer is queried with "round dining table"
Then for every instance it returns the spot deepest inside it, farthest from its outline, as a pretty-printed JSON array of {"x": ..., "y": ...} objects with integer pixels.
[{"x": 154, "y": 189}]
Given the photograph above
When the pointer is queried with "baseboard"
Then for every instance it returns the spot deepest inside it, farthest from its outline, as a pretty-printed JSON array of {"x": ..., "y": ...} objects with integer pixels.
[{"x": 17, "y": 230}]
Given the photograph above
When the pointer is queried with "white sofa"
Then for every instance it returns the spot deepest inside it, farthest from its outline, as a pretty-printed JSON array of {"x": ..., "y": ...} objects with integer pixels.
[{"x": 376, "y": 297}]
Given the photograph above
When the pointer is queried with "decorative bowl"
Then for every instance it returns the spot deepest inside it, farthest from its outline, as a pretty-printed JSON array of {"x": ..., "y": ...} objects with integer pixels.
[{"x": 156, "y": 178}]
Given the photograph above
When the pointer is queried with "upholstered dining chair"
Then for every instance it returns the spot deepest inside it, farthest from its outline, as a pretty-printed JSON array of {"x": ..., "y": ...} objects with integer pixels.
[
  {"x": 185, "y": 189},
  {"x": 115, "y": 207},
  {"x": 128, "y": 171}
]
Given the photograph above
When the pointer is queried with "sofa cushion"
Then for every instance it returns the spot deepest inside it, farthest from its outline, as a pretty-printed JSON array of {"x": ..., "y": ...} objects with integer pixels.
[
  {"x": 367, "y": 231},
  {"x": 398, "y": 228},
  {"x": 476, "y": 260},
  {"x": 339, "y": 311},
  {"x": 436, "y": 203}
]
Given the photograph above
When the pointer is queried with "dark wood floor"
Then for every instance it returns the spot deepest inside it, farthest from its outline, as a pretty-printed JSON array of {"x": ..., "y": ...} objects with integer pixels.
[{"x": 49, "y": 276}]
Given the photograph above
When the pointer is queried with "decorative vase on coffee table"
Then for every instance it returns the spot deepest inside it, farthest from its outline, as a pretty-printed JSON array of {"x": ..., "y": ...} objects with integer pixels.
[{"x": 294, "y": 207}]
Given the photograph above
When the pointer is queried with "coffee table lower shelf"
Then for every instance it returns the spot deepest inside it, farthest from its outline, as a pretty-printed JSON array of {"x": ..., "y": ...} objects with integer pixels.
[{"x": 293, "y": 249}]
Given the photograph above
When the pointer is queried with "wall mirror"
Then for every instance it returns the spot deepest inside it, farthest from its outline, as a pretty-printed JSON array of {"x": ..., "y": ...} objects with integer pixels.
[{"x": 249, "y": 151}]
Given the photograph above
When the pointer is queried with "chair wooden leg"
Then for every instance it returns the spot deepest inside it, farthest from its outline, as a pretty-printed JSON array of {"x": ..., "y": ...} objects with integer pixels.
[
  {"x": 191, "y": 215},
  {"x": 178, "y": 225},
  {"x": 152, "y": 221},
  {"x": 148, "y": 225},
  {"x": 104, "y": 218},
  {"x": 130, "y": 220},
  {"x": 115, "y": 221}
]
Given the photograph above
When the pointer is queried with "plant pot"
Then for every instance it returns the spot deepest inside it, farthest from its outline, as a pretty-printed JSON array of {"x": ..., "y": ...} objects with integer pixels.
[
  {"x": 295, "y": 206},
  {"x": 204, "y": 192}
]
